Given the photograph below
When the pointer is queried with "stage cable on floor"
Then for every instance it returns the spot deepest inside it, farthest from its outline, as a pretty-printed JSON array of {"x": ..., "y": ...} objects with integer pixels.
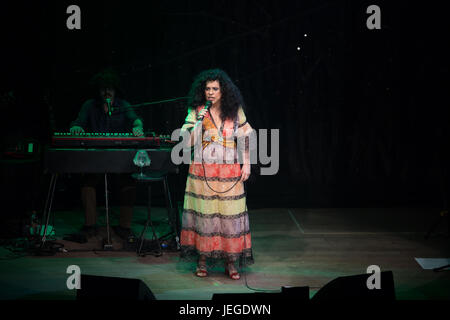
[
  {"x": 245, "y": 257},
  {"x": 245, "y": 226}
]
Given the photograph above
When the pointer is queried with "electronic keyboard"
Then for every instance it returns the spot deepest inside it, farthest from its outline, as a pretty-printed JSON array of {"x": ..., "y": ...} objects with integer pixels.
[{"x": 106, "y": 139}]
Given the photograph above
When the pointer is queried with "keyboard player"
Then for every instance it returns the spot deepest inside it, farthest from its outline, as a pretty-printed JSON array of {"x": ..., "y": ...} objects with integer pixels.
[{"x": 107, "y": 113}]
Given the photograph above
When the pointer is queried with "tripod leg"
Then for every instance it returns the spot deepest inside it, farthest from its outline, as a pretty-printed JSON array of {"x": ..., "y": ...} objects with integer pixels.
[
  {"x": 142, "y": 235},
  {"x": 108, "y": 245},
  {"x": 47, "y": 200},
  {"x": 48, "y": 207},
  {"x": 170, "y": 210},
  {"x": 442, "y": 215},
  {"x": 433, "y": 227},
  {"x": 168, "y": 204},
  {"x": 149, "y": 220},
  {"x": 448, "y": 224}
]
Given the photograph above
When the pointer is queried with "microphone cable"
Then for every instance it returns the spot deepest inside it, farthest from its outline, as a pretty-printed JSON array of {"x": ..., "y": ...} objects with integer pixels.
[
  {"x": 208, "y": 103},
  {"x": 206, "y": 180},
  {"x": 245, "y": 226},
  {"x": 245, "y": 259},
  {"x": 245, "y": 256}
]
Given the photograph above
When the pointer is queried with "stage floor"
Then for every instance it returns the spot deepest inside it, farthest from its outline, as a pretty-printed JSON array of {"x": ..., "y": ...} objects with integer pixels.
[{"x": 291, "y": 247}]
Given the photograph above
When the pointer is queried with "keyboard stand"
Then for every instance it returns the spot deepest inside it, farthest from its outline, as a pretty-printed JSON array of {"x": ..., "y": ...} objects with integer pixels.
[
  {"x": 107, "y": 245},
  {"x": 47, "y": 209},
  {"x": 101, "y": 161}
]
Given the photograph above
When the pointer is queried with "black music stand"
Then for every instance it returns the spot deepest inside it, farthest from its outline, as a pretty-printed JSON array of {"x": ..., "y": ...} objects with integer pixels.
[
  {"x": 445, "y": 192},
  {"x": 148, "y": 179}
]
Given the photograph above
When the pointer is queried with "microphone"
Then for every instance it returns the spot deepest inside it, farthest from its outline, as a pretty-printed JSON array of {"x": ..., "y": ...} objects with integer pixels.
[
  {"x": 108, "y": 101},
  {"x": 207, "y": 105}
]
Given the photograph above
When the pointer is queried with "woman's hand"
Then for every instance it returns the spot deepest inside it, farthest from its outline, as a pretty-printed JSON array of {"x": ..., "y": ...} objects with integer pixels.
[
  {"x": 201, "y": 113},
  {"x": 245, "y": 171}
]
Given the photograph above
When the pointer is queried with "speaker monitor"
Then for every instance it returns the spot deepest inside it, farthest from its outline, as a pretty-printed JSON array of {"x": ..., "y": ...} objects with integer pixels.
[
  {"x": 355, "y": 288},
  {"x": 99, "y": 287}
]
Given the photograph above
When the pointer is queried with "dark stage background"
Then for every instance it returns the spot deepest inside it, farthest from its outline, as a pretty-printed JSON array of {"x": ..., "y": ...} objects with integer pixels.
[{"x": 362, "y": 114}]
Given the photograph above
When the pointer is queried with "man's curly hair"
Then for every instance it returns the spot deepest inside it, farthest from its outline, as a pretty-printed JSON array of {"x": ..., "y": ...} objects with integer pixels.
[
  {"x": 231, "y": 96},
  {"x": 107, "y": 78}
]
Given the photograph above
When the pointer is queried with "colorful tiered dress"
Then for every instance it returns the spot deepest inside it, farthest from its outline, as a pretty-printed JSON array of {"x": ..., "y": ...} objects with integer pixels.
[{"x": 215, "y": 223}]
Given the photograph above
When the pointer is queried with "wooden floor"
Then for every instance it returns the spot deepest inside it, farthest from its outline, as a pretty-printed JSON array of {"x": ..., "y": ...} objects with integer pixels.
[{"x": 292, "y": 247}]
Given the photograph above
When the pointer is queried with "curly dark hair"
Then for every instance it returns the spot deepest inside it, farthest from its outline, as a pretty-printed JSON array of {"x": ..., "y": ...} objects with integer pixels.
[
  {"x": 231, "y": 96},
  {"x": 107, "y": 78}
]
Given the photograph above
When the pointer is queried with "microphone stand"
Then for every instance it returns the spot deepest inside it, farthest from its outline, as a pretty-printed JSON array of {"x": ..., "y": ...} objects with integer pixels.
[
  {"x": 135, "y": 106},
  {"x": 155, "y": 102},
  {"x": 108, "y": 102}
]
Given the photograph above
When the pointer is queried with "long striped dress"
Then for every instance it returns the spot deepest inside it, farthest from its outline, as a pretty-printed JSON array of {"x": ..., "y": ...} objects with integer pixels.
[{"x": 215, "y": 223}]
